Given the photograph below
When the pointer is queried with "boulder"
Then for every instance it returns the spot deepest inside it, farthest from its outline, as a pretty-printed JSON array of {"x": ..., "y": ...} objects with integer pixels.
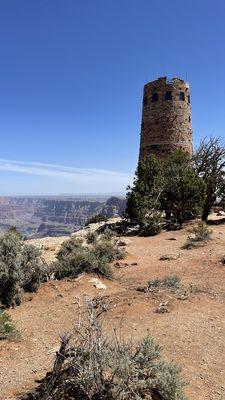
[
  {"x": 98, "y": 284},
  {"x": 221, "y": 213}
]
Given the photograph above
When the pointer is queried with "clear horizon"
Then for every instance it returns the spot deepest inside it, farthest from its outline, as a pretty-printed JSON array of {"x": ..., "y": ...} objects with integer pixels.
[{"x": 71, "y": 81}]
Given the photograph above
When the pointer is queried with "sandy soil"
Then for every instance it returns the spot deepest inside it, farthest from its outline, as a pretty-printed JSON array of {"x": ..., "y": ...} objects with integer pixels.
[{"x": 192, "y": 333}]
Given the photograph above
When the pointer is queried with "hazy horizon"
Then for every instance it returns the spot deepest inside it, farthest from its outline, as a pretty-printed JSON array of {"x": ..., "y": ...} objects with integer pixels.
[{"x": 67, "y": 195}]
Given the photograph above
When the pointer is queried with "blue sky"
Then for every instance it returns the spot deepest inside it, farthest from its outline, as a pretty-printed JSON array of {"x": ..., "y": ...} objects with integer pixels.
[{"x": 71, "y": 79}]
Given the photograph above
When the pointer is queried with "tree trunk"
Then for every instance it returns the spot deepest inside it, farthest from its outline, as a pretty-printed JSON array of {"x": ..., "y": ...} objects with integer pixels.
[{"x": 206, "y": 211}]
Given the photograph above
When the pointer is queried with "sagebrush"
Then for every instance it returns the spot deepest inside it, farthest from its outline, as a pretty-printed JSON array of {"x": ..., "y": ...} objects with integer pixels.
[
  {"x": 92, "y": 365},
  {"x": 75, "y": 258},
  {"x": 200, "y": 234},
  {"x": 169, "y": 282},
  {"x": 20, "y": 268}
]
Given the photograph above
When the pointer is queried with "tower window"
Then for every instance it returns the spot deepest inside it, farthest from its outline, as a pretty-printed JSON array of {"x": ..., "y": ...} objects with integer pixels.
[
  {"x": 168, "y": 96},
  {"x": 189, "y": 100},
  {"x": 145, "y": 101},
  {"x": 154, "y": 147},
  {"x": 182, "y": 96},
  {"x": 189, "y": 119},
  {"x": 155, "y": 97}
]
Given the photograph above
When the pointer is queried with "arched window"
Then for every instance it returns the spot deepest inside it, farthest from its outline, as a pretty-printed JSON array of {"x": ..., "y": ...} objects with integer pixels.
[
  {"x": 182, "y": 96},
  {"x": 155, "y": 97},
  {"x": 168, "y": 95}
]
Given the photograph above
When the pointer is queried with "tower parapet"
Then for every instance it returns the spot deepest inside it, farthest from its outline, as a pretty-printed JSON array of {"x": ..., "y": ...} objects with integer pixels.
[{"x": 166, "y": 117}]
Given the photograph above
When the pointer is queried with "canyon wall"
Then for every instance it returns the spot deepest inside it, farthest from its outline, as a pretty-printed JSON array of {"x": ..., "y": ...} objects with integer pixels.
[{"x": 54, "y": 216}]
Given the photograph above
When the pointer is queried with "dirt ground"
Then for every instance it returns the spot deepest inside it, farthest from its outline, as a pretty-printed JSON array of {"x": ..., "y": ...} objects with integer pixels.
[{"x": 192, "y": 332}]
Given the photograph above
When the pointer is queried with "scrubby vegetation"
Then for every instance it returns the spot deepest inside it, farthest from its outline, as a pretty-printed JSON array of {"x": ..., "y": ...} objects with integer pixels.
[
  {"x": 92, "y": 366},
  {"x": 7, "y": 328},
  {"x": 75, "y": 257},
  {"x": 169, "y": 282},
  {"x": 20, "y": 268},
  {"x": 200, "y": 235},
  {"x": 91, "y": 237},
  {"x": 96, "y": 218}
]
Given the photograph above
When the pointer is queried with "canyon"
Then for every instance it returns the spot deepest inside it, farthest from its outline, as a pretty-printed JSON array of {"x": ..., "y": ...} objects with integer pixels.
[{"x": 55, "y": 216}]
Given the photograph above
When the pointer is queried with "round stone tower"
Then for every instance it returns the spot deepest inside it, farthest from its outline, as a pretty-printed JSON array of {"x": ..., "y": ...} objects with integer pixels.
[{"x": 166, "y": 117}]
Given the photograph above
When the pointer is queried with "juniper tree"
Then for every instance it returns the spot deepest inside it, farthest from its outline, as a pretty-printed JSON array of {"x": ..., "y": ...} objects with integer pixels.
[
  {"x": 210, "y": 166},
  {"x": 169, "y": 185}
]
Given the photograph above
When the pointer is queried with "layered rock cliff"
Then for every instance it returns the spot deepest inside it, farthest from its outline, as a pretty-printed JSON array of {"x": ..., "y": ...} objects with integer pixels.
[{"x": 40, "y": 216}]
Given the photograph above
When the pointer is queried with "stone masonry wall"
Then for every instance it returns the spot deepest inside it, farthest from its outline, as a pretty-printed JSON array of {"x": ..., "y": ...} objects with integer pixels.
[{"x": 166, "y": 117}]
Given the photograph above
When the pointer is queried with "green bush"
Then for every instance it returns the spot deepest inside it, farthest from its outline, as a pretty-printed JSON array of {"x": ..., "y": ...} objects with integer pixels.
[
  {"x": 91, "y": 237},
  {"x": 19, "y": 269},
  {"x": 75, "y": 264},
  {"x": 169, "y": 282},
  {"x": 108, "y": 251},
  {"x": 201, "y": 234},
  {"x": 108, "y": 234},
  {"x": 7, "y": 328},
  {"x": 14, "y": 230},
  {"x": 10, "y": 271},
  {"x": 31, "y": 268},
  {"x": 69, "y": 246},
  {"x": 75, "y": 258},
  {"x": 95, "y": 219}
]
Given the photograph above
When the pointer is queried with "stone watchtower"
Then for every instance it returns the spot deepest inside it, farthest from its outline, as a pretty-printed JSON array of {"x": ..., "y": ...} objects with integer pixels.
[{"x": 166, "y": 117}]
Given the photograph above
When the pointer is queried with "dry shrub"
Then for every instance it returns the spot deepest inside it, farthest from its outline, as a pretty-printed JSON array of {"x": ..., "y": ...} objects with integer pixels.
[
  {"x": 169, "y": 282},
  {"x": 92, "y": 366},
  {"x": 200, "y": 236}
]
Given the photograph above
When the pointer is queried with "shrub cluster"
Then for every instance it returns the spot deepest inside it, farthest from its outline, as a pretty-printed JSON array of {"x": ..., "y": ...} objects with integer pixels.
[
  {"x": 91, "y": 366},
  {"x": 200, "y": 235},
  {"x": 75, "y": 258},
  {"x": 7, "y": 328},
  {"x": 96, "y": 218},
  {"x": 20, "y": 268},
  {"x": 91, "y": 237},
  {"x": 169, "y": 282}
]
